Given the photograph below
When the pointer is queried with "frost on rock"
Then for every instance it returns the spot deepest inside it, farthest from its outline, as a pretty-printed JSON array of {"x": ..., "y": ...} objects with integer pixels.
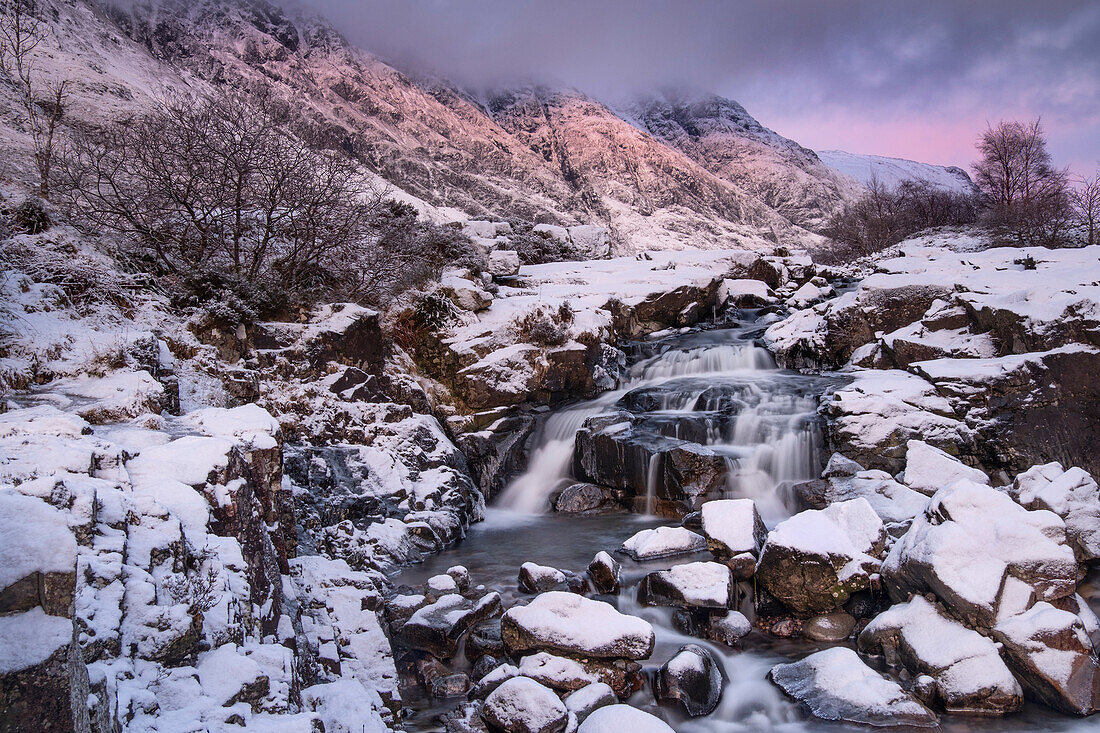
[
  {"x": 1051, "y": 653},
  {"x": 1071, "y": 494},
  {"x": 929, "y": 469},
  {"x": 968, "y": 673},
  {"x": 836, "y": 685},
  {"x": 650, "y": 544},
  {"x": 815, "y": 560},
  {"x": 566, "y": 623},
  {"x": 982, "y": 554}
]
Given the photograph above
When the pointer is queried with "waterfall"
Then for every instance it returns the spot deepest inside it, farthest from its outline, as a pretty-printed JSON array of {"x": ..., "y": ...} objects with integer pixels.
[{"x": 653, "y": 474}]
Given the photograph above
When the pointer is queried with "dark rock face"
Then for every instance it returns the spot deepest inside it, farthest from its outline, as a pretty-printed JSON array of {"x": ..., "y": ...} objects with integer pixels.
[
  {"x": 52, "y": 591},
  {"x": 580, "y": 499},
  {"x": 690, "y": 679},
  {"x": 495, "y": 452},
  {"x": 605, "y": 572},
  {"x": 37, "y": 698},
  {"x": 484, "y": 640}
]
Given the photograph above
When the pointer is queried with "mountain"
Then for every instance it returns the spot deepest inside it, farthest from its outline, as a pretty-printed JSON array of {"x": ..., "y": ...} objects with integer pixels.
[
  {"x": 892, "y": 171},
  {"x": 667, "y": 173}
]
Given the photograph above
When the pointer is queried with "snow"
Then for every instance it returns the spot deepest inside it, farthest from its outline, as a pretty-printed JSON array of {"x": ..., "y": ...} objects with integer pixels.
[
  {"x": 250, "y": 424},
  {"x": 733, "y": 524},
  {"x": 522, "y": 704},
  {"x": 928, "y": 469},
  {"x": 442, "y": 584},
  {"x": 542, "y": 573},
  {"x": 589, "y": 698},
  {"x": 650, "y": 544},
  {"x": 702, "y": 584},
  {"x": 36, "y": 538},
  {"x": 849, "y": 529},
  {"x": 620, "y": 718},
  {"x": 890, "y": 172},
  {"x": 572, "y": 622},
  {"x": 557, "y": 672},
  {"x": 1027, "y": 631},
  {"x": 30, "y": 638}
]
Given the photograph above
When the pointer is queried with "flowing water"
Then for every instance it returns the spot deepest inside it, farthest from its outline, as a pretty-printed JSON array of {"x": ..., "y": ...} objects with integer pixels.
[{"x": 719, "y": 389}]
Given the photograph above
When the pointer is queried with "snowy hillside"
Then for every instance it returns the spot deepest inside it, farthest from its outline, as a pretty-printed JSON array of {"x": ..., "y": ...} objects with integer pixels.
[{"x": 892, "y": 171}]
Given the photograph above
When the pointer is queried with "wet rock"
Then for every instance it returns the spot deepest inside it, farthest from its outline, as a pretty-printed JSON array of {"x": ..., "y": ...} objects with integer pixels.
[
  {"x": 522, "y": 705},
  {"x": 651, "y": 544},
  {"x": 690, "y": 585},
  {"x": 466, "y": 718},
  {"x": 580, "y": 499},
  {"x": 728, "y": 629},
  {"x": 566, "y": 623},
  {"x": 1052, "y": 655},
  {"x": 541, "y": 578},
  {"x": 835, "y": 684},
  {"x": 485, "y": 664},
  {"x": 830, "y": 627},
  {"x": 605, "y": 572},
  {"x": 438, "y": 627},
  {"x": 968, "y": 673},
  {"x": 815, "y": 560},
  {"x": 619, "y": 718},
  {"x": 493, "y": 679},
  {"x": 690, "y": 679},
  {"x": 461, "y": 577},
  {"x": 733, "y": 527},
  {"x": 982, "y": 554},
  {"x": 441, "y": 682},
  {"x": 556, "y": 672},
  {"x": 928, "y": 469},
  {"x": 484, "y": 638},
  {"x": 588, "y": 699}
]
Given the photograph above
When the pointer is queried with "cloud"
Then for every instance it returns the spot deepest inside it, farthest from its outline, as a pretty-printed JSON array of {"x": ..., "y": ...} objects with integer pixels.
[{"x": 896, "y": 78}]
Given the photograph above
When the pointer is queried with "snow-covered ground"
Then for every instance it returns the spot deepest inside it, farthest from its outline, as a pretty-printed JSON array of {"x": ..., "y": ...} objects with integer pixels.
[{"x": 890, "y": 172}]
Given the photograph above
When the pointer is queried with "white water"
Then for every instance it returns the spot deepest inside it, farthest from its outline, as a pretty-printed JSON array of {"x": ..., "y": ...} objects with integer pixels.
[{"x": 771, "y": 441}]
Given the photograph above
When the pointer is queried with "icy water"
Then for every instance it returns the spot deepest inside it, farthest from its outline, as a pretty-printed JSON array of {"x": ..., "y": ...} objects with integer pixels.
[{"x": 771, "y": 441}]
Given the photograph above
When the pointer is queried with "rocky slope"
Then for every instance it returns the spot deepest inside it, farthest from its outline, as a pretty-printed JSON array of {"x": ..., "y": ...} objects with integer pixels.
[{"x": 890, "y": 172}]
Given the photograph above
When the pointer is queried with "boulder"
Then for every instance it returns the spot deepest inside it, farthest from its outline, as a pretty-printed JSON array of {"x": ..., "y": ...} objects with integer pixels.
[
  {"x": 690, "y": 679},
  {"x": 535, "y": 578},
  {"x": 829, "y": 627},
  {"x": 1052, "y": 655},
  {"x": 982, "y": 554},
  {"x": 521, "y": 705},
  {"x": 588, "y": 699},
  {"x": 835, "y": 684},
  {"x": 815, "y": 560},
  {"x": 690, "y": 585},
  {"x": 728, "y": 629},
  {"x": 580, "y": 498},
  {"x": 605, "y": 572},
  {"x": 559, "y": 673},
  {"x": 619, "y": 718},
  {"x": 37, "y": 557},
  {"x": 35, "y": 681},
  {"x": 570, "y": 624},
  {"x": 896, "y": 504},
  {"x": 504, "y": 263},
  {"x": 438, "y": 627},
  {"x": 1073, "y": 495},
  {"x": 928, "y": 469},
  {"x": 651, "y": 544},
  {"x": 466, "y": 294},
  {"x": 484, "y": 640},
  {"x": 733, "y": 527},
  {"x": 744, "y": 293},
  {"x": 967, "y": 673}
]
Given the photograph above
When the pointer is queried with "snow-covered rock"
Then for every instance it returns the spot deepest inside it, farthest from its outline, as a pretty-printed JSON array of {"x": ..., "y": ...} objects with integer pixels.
[
  {"x": 617, "y": 718},
  {"x": 982, "y": 554},
  {"x": 733, "y": 527},
  {"x": 728, "y": 629},
  {"x": 521, "y": 705},
  {"x": 650, "y": 544},
  {"x": 837, "y": 685},
  {"x": 1052, "y": 655},
  {"x": 929, "y": 469},
  {"x": 438, "y": 627},
  {"x": 895, "y": 503},
  {"x": 1071, "y": 494},
  {"x": 605, "y": 572},
  {"x": 569, "y": 624},
  {"x": 588, "y": 699},
  {"x": 967, "y": 671},
  {"x": 559, "y": 673},
  {"x": 466, "y": 294},
  {"x": 691, "y": 679},
  {"x": 690, "y": 585},
  {"x": 815, "y": 560},
  {"x": 535, "y": 578},
  {"x": 503, "y": 263},
  {"x": 745, "y": 293}
]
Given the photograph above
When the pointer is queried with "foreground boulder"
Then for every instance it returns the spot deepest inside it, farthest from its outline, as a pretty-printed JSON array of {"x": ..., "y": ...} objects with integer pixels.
[
  {"x": 967, "y": 672},
  {"x": 438, "y": 627},
  {"x": 928, "y": 469},
  {"x": 651, "y": 544},
  {"x": 836, "y": 685},
  {"x": 534, "y": 578},
  {"x": 690, "y": 585},
  {"x": 521, "y": 705},
  {"x": 587, "y": 700},
  {"x": 690, "y": 679},
  {"x": 1073, "y": 495},
  {"x": 1053, "y": 657},
  {"x": 572, "y": 625},
  {"x": 605, "y": 572},
  {"x": 620, "y": 718},
  {"x": 733, "y": 528},
  {"x": 815, "y": 560},
  {"x": 982, "y": 554}
]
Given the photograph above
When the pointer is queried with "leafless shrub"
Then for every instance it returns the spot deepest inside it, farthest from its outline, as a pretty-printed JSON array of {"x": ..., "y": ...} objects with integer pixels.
[
  {"x": 544, "y": 325},
  {"x": 198, "y": 589}
]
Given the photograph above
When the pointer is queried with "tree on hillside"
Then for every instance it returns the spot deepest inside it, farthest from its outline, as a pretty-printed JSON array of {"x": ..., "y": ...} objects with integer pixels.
[
  {"x": 43, "y": 103},
  {"x": 1086, "y": 199},
  {"x": 1023, "y": 192}
]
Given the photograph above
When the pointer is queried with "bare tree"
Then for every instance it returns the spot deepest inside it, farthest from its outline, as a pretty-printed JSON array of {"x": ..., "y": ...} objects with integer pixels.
[
  {"x": 43, "y": 104},
  {"x": 1023, "y": 191},
  {"x": 1086, "y": 199}
]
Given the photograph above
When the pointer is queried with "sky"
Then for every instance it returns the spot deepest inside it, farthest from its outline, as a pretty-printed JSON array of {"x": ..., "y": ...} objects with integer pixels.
[{"x": 917, "y": 79}]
